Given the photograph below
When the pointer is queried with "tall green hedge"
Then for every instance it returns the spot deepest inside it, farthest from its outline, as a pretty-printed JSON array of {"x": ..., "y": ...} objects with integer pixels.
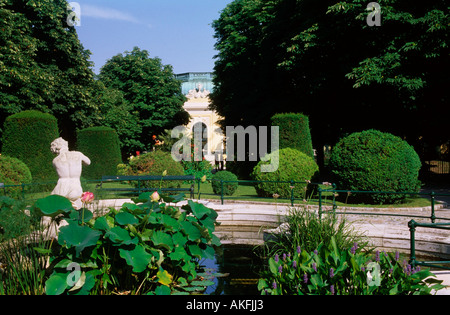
[
  {"x": 13, "y": 172},
  {"x": 27, "y": 136},
  {"x": 101, "y": 146},
  {"x": 294, "y": 132}
]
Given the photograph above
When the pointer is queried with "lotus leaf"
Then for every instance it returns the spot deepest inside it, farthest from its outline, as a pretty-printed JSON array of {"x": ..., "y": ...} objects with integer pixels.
[
  {"x": 160, "y": 238},
  {"x": 53, "y": 205},
  {"x": 124, "y": 218},
  {"x": 164, "y": 277},
  {"x": 137, "y": 258},
  {"x": 78, "y": 236},
  {"x": 56, "y": 284}
]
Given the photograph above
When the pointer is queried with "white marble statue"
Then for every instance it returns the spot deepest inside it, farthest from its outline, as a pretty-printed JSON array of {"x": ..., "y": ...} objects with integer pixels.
[{"x": 68, "y": 165}]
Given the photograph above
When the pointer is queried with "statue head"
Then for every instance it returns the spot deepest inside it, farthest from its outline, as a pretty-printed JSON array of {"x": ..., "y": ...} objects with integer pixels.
[{"x": 59, "y": 144}]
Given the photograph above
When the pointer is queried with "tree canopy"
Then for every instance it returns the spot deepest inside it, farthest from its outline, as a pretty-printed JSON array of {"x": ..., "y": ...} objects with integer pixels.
[
  {"x": 321, "y": 58},
  {"x": 150, "y": 88},
  {"x": 43, "y": 65}
]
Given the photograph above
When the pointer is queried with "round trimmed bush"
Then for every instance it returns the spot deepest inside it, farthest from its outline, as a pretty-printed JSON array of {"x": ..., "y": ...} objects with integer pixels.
[
  {"x": 293, "y": 166},
  {"x": 14, "y": 172},
  {"x": 27, "y": 136},
  {"x": 155, "y": 163},
  {"x": 228, "y": 188},
  {"x": 375, "y": 161},
  {"x": 101, "y": 146}
]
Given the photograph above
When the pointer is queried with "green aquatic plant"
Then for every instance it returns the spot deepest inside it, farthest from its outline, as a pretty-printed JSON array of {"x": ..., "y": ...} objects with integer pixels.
[
  {"x": 329, "y": 270},
  {"x": 145, "y": 247}
]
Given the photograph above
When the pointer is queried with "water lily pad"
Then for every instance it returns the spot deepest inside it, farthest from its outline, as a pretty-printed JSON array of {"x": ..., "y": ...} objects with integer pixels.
[{"x": 204, "y": 283}]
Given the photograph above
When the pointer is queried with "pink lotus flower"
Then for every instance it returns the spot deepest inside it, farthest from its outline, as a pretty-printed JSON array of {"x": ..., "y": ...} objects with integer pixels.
[
  {"x": 87, "y": 197},
  {"x": 155, "y": 197}
]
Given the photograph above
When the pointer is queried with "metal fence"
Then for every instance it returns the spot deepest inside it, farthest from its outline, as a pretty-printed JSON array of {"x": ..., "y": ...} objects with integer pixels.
[
  {"x": 318, "y": 195},
  {"x": 412, "y": 230},
  {"x": 432, "y": 195},
  {"x": 443, "y": 264},
  {"x": 310, "y": 188}
]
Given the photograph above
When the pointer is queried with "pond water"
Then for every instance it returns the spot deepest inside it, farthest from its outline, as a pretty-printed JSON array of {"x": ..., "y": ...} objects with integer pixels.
[{"x": 240, "y": 266}]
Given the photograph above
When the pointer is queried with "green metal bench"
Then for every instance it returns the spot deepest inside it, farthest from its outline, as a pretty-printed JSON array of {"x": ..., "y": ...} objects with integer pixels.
[{"x": 141, "y": 189}]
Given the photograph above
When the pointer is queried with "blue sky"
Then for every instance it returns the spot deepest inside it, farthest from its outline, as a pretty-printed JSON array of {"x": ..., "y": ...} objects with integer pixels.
[{"x": 179, "y": 32}]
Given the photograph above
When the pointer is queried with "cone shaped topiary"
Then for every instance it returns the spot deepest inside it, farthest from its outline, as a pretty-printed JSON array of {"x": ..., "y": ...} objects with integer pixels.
[
  {"x": 101, "y": 146},
  {"x": 294, "y": 132}
]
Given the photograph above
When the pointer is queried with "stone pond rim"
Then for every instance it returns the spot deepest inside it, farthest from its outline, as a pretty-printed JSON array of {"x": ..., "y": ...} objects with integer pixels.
[{"x": 246, "y": 223}]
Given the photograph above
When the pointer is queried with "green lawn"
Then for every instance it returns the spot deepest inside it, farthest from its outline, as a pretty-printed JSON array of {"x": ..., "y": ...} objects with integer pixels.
[{"x": 245, "y": 191}]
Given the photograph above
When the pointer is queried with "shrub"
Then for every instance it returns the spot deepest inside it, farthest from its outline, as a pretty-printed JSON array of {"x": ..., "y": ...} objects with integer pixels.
[
  {"x": 197, "y": 168},
  {"x": 293, "y": 166},
  {"x": 155, "y": 163},
  {"x": 13, "y": 220},
  {"x": 294, "y": 132},
  {"x": 143, "y": 248},
  {"x": 101, "y": 145},
  {"x": 27, "y": 136},
  {"x": 375, "y": 161},
  {"x": 329, "y": 270},
  {"x": 13, "y": 172},
  {"x": 228, "y": 188}
]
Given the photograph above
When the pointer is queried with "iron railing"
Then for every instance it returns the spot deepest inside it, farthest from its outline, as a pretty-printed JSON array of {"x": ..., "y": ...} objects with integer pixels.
[
  {"x": 313, "y": 187},
  {"x": 322, "y": 198},
  {"x": 432, "y": 195},
  {"x": 413, "y": 260},
  {"x": 411, "y": 224}
]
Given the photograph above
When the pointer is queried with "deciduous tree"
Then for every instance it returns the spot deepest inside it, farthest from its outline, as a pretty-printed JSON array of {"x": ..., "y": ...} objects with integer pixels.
[
  {"x": 152, "y": 91},
  {"x": 43, "y": 65}
]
